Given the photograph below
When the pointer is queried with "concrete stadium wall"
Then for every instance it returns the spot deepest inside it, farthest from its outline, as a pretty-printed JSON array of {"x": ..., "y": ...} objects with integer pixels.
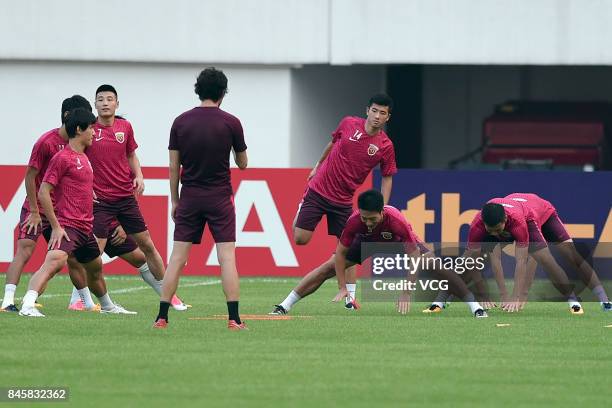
[{"x": 568, "y": 32}]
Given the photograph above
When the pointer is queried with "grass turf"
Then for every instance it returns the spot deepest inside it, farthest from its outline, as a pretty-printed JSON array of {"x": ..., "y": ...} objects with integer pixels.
[{"x": 372, "y": 357}]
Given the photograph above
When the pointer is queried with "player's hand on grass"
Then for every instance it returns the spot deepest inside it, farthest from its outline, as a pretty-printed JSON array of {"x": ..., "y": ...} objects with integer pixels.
[
  {"x": 343, "y": 293},
  {"x": 139, "y": 186},
  {"x": 488, "y": 304},
  {"x": 118, "y": 236},
  {"x": 513, "y": 306},
  {"x": 32, "y": 223},
  {"x": 403, "y": 303},
  {"x": 56, "y": 238}
]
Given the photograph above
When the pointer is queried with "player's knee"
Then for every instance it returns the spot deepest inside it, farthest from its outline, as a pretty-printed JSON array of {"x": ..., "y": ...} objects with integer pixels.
[
  {"x": 301, "y": 239},
  {"x": 57, "y": 262},
  {"x": 24, "y": 252}
]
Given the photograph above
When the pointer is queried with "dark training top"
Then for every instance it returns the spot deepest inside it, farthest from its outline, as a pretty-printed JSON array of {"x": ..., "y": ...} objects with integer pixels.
[{"x": 204, "y": 137}]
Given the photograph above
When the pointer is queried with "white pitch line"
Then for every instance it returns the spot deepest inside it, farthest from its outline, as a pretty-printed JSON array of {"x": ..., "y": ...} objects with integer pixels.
[{"x": 136, "y": 289}]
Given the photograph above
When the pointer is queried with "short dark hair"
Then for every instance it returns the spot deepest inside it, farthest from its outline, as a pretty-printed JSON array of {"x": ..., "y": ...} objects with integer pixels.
[
  {"x": 75, "y": 101},
  {"x": 371, "y": 200},
  {"x": 493, "y": 214},
  {"x": 78, "y": 118},
  {"x": 106, "y": 88},
  {"x": 211, "y": 84},
  {"x": 382, "y": 100}
]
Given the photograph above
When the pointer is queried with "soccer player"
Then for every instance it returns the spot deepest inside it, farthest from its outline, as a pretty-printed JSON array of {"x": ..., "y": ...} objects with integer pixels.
[
  {"x": 554, "y": 232},
  {"x": 357, "y": 146},
  {"x": 33, "y": 220},
  {"x": 119, "y": 181},
  {"x": 70, "y": 177},
  {"x": 201, "y": 140},
  {"x": 507, "y": 220},
  {"x": 376, "y": 222}
]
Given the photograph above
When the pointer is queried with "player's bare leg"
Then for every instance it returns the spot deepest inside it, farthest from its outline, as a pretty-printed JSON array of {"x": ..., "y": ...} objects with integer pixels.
[
  {"x": 25, "y": 249},
  {"x": 308, "y": 285},
  {"x": 301, "y": 236},
  {"x": 226, "y": 255},
  {"x": 154, "y": 259},
  {"x": 97, "y": 284},
  {"x": 54, "y": 262},
  {"x": 137, "y": 259},
  {"x": 558, "y": 277},
  {"x": 176, "y": 264},
  {"x": 587, "y": 273}
]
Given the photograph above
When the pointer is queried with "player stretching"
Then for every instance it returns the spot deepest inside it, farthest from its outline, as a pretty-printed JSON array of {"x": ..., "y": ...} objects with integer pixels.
[
  {"x": 117, "y": 182},
  {"x": 201, "y": 140},
  {"x": 358, "y": 145},
  {"x": 70, "y": 177},
  {"x": 33, "y": 220},
  {"x": 376, "y": 222},
  {"x": 554, "y": 232},
  {"x": 512, "y": 220}
]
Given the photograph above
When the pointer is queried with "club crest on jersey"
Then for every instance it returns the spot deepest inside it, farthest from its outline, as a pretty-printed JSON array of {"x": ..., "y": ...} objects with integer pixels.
[
  {"x": 386, "y": 235},
  {"x": 120, "y": 137},
  {"x": 372, "y": 149}
]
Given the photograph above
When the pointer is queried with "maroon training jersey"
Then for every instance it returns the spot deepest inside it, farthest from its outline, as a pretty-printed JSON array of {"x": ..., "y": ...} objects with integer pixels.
[
  {"x": 541, "y": 209},
  {"x": 353, "y": 155},
  {"x": 108, "y": 155},
  {"x": 204, "y": 138},
  {"x": 393, "y": 228},
  {"x": 43, "y": 151},
  {"x": 516, "y": 228},
  {"x": 71, "y": 175}
]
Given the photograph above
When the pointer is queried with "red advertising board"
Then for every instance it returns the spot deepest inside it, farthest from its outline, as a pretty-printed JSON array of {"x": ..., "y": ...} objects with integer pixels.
[{"x": 266, "y": 203}]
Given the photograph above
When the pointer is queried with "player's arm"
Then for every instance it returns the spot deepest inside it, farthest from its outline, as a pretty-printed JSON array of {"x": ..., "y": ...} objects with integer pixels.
[
  {"x": 321, "y": 160},
  {"x": 385, "y": 188},
  {"x": 241, "y": 159},
  {"x": 403, "y": 303},
  {"x": 532, "y": 265},
  {"x": 34, "y": 221},
  {"x": 137, "y": 171},
  {"x": 175, "y": 171},
  {"x": 498, "y": 272},
  {"x": 340, "y": 257},
  {"x": 520, "y": 272},
  {"x": 44, "y": 196}
]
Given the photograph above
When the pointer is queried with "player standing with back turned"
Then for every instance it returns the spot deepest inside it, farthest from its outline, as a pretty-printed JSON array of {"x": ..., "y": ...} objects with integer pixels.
[{"x": 201, "y": 140}]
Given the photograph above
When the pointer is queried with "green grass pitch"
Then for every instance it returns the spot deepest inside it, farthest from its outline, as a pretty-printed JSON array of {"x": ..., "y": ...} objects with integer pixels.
[{"x": 372, "y": 357}]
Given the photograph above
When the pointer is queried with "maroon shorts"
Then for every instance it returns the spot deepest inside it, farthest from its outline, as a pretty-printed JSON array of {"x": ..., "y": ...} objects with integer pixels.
[
  {"x": 128, "y": 246},
  {"x": 354, "y": 251},
  {"x": 536, "y": 239},
  {"x": 82, "y": 245},
  {"x": 126, "y": 211},
  {"x": 553, "y": 229},
  {"x": 314, "y": 206},
  {"x": 32, "y": 236},
  {"x": 196, "y": 208}
]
